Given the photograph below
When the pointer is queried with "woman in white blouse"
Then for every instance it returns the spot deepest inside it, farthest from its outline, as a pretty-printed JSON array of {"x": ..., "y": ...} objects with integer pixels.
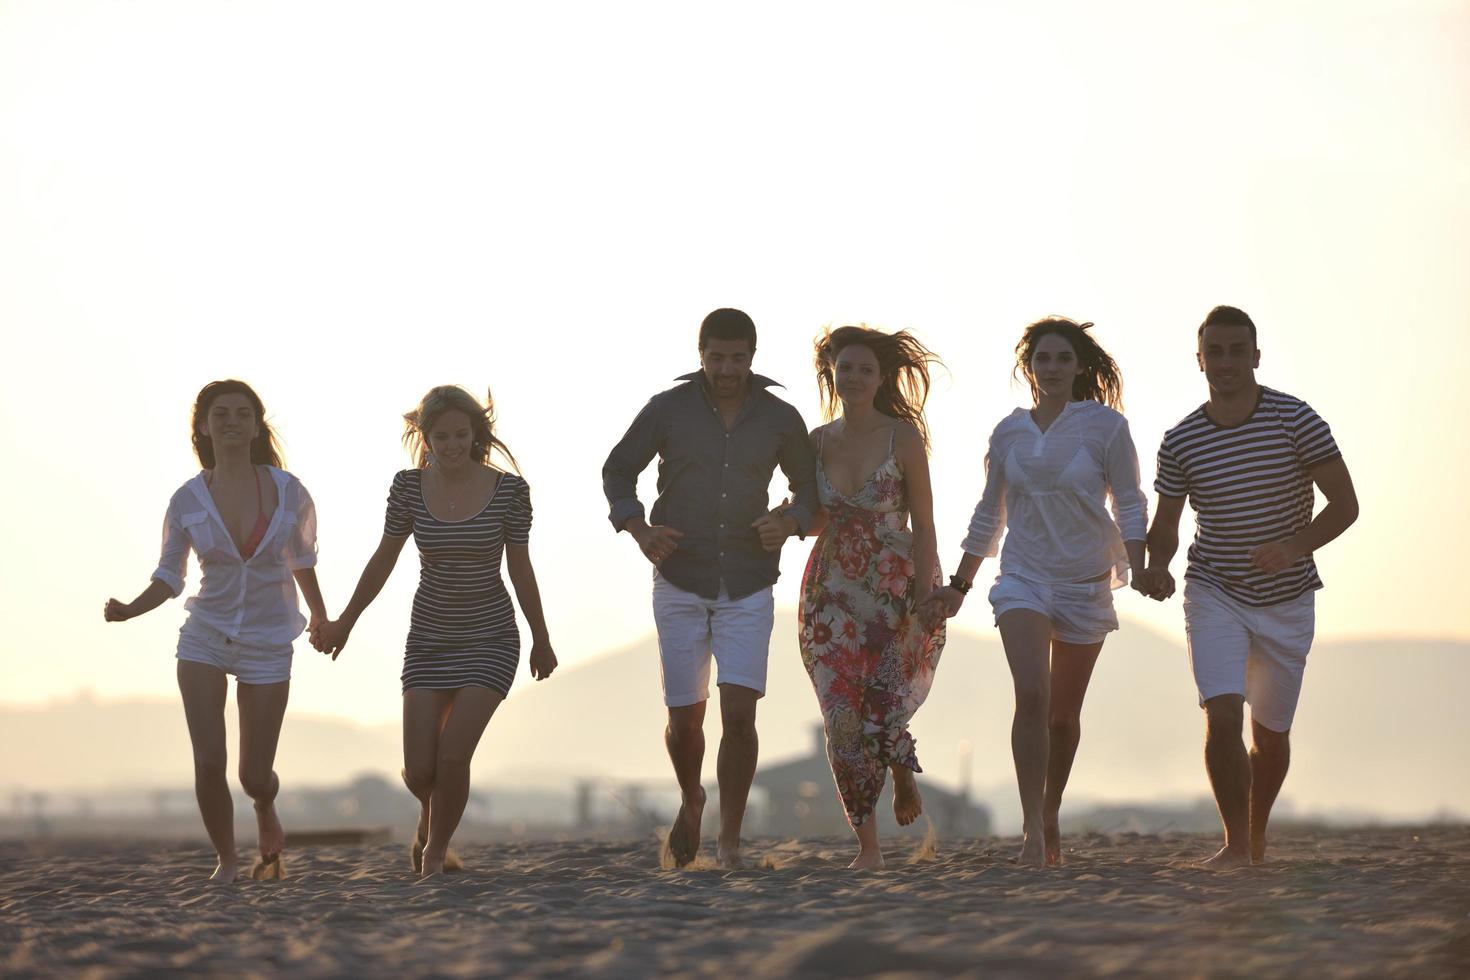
[
  {"x": 1048, "y": 472},
  {"x": 252, "y": 527}
]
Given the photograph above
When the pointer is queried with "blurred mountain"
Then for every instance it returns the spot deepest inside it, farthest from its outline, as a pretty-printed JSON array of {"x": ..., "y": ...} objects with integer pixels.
[{"x": 1381, "y": 730}]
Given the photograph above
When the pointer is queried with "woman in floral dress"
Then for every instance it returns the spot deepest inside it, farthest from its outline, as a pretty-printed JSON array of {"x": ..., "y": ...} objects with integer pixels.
[{"x": 870, "y": 654}]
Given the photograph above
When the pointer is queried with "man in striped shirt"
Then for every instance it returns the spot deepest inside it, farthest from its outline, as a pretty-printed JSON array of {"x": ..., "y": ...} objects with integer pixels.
[{"x": 1247, "y": 461}]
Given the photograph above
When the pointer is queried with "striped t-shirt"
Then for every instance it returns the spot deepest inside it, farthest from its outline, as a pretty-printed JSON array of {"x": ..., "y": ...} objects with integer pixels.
[{"x": 1249, "y": 484}]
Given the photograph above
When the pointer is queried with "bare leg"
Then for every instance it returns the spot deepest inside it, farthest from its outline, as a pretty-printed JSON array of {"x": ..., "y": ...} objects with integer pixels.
[
  {"x": 870, "y": 853},
  {"x": 1071, "y": 671},
  {"x": 1229, "y": 769},
  {"x": 739, "y": 748},
  {"x": 469, "y": 713},
  {"x": 1026, "y": 636},
  {"x": 424, "y": 714},
  {"x": 262, "y": 708},
  {"x": 684, "y": 738},
  {"x": 907, "y": 803},
  {"x": 1270, "y": 757},
  {"x": 203, "y": 688}
]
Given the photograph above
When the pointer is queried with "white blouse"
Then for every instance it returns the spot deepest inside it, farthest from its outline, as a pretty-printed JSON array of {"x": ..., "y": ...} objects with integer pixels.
[
  {"x": 1048, "y": 487},
  {"x": 252, "y": 601}
]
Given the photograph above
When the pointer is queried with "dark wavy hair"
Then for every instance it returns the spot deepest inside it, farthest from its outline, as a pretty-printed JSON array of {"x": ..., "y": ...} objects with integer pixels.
[
  {"x": 903, "y": 363},
  {"x": 448, "y": 398},
  {"x": 264, "y": 448},
  {"x": 1099, "y": 379}
]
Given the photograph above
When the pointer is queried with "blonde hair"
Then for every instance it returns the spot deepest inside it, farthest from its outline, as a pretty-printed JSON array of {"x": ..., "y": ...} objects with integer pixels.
[{"x": 452, "y": 398}]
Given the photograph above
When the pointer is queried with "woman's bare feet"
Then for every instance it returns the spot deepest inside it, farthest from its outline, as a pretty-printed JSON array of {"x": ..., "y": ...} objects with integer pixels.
[
  {"x": 433, "y": 860},
  {"x": 868, "y": 860},
  {"x": 1033, "y": 852},
  {"x": 907, "y": 803},
  {"x": 683, "y": 839},
  {"x": 272, "y": 835},
  {"x": 1227, "y": 859},
  {"x": 729, "y": 858},
  {"x": 1051, "y": 836},
  {"x": 226, "y": 872}
]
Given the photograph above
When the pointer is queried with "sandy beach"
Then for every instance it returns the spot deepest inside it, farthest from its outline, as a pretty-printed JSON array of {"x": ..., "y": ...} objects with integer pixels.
[{"x": 1354, "y": 903}]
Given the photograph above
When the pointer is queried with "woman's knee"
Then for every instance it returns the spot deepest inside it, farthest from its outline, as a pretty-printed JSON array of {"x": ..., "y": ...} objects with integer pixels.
[
  {"x": 1065, "y": 727},
  {"x": 258, "y": 783},
  {"x": 210, "y": 767},
  {"x": 1032, "y": 698},
  {"x": 419, "y": 778}
]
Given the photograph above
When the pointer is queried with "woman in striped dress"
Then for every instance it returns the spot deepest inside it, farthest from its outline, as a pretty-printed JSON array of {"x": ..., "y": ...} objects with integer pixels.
[{"x": 463, "y": 646}]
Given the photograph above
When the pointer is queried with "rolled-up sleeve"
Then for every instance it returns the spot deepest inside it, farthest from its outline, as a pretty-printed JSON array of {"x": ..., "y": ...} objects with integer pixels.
[
  {"x": 173, "y": 561},
  {"x": 301, "y": 549},
  {"x": 800, "y": 466},
  {"x": 989, "y": 519},
  {"x": 628, "y": 459}
]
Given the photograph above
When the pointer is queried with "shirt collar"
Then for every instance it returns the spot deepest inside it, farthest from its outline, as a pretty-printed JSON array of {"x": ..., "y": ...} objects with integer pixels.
[{"x": 758, "y": 381}]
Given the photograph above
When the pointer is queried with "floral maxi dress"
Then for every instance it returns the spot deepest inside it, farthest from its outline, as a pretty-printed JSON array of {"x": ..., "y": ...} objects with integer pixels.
[{"x": 870, "y": 659}]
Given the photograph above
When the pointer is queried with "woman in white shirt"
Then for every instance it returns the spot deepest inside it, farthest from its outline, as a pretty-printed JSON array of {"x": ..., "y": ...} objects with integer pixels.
[
  {"x": 1048, "y": 471},
  {"x": 252, "y": 527}
]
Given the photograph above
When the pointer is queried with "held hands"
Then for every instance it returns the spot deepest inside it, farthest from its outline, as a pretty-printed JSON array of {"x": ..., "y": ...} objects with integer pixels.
[
  {"x": 774, "y": 528},
  {"x": 1276, "y": 556},
  {"x": 1156, "y": 583},
  {"x": 330, "y": 637},
  {"x": 114, "y": 611},
  {"x": 943, "y": 602},
  {"x": 658, "y": 542},
  {"x": 543, "y": 660}
]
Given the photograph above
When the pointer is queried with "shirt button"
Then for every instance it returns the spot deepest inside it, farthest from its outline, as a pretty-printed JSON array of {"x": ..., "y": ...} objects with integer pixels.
[{"x": 723, "y": 496}]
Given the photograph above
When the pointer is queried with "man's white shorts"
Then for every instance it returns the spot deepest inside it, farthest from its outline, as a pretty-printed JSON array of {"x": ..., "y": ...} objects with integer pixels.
[
  {"x": 1258, "y": 652},
  {"x": 1080, "y": 612},
  {"x": 692, "y": 629}
]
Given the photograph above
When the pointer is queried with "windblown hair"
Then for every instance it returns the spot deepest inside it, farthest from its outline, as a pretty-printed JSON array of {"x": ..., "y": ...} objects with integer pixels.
[
  {"x": 903, "y": 364},
  {"x": 418, "y": 423},
  {"x": 1099, "y": 379},
  {"x": 264, "y": 448}
]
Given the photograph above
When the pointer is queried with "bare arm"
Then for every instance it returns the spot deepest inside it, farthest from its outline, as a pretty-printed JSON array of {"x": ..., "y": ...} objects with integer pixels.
[
  {"x": 920, "y": 494},
  {"x": 1336, "y": 484},
  {"x": 1163, "y": 541},
  {"x": 311, "y": 591},
  {"x": 332, "y": 637},
  {"x": 149, "y": 599},
  {"x": 523, "y": 577}
]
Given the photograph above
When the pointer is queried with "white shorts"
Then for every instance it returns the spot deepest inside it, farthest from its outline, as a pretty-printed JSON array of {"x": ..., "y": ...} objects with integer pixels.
[
  {"x": 1080, "y": 612},
  {"x": 251, "y": 665},
  {"x": 692, "y": 629},
  {"x": 1258, "y": 652}
]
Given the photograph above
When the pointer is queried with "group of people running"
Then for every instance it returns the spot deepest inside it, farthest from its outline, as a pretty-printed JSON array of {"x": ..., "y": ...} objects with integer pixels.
[{"x": 874, "y": 602}]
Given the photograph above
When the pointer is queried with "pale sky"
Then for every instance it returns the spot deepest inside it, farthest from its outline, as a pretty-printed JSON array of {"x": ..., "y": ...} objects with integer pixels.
[{"x": 347, "y": 203}]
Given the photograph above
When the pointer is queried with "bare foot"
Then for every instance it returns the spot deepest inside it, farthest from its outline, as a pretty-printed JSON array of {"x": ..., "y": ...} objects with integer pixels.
[
  {"x": 1226, "y": 859},
  {"x": 729, "y": 857},
  {"x": 683, "y": 841},
  {"x": 226, "y": 872},
  {"x": 416, "y": 852},
  {"x": 867, "y": 861},
  {"x": 433, "y": 861},
  {"x": 1258, "y": 850},
  {"x": 1033, "y": 854},
  {"x": 907, "y": 803},
  {"x": 1051, "y": 838},
  {"x": 272, "y": 835},
  {"x": 452, "y": 863}
]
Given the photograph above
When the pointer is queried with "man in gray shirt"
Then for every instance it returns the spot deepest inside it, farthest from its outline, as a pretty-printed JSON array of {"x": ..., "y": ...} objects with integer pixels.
[{"x": 715, "y": 548}]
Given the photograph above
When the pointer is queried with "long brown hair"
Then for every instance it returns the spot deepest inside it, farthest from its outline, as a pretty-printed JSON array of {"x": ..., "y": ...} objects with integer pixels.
[
  {"x": 448, "y": 398},
  {"x": 903, "y": 364},
  {"x": 264, "y": 448},
  {"x": 1099, "y": 378}
]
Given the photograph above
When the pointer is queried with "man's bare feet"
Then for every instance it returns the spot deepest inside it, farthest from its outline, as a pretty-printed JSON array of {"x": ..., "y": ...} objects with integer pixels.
[
  {"x": 729, "y": 857},
  {"x": 1051, "y": 837},
  {"x": 1033, "y": 854},
  {"x": 1227, "y": 859},
  {"x": 867, "y": 861},
  {"x": 907, "y": 803},
  {"x": 226, "y": 872},
  {"x": 683, "y": 841}
]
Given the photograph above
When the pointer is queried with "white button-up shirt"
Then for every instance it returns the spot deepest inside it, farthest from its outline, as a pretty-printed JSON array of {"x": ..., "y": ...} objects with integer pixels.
[
  {"x": 1048, "y": 489},
  {"x": 252, "y": 601}
]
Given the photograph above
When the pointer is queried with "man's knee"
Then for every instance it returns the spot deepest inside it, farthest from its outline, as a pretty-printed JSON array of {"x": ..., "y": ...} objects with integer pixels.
[
  {"x": 1225, "y": 713},
  {"x": 687, "y": 722},
  {"x": 1269, "y": 743},
  {"x": 737, "y": 709}
]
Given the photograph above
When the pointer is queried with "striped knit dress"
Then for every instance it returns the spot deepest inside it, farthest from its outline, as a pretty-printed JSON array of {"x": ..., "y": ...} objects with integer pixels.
[{"x": 463, "y": 629}]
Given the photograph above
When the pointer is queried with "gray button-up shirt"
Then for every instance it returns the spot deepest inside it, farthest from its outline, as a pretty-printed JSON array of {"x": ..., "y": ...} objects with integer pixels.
[{"x": 713, "y": 483}]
